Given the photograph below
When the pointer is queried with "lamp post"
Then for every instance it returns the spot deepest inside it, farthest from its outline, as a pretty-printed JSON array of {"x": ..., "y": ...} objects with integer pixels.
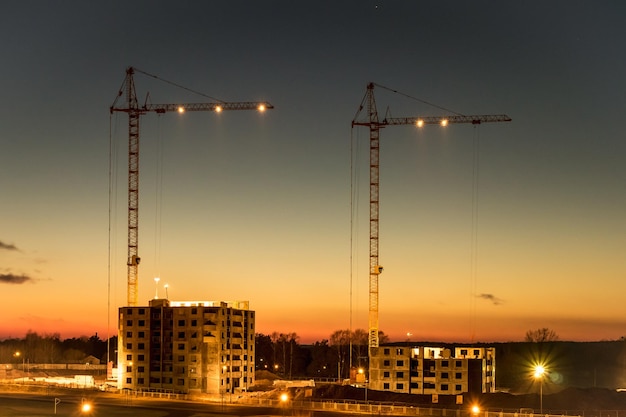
[
  {"x": 17, "y": 356},
  {"x": 283, "y": 401},
  {"x": 362, "y": 378},
  {"x": 539, "y": 373}
]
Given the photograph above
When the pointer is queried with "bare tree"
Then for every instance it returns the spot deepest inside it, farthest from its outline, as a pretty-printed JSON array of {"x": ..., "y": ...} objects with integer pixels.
[
  {"x": 293, "y": 339},
  {"x": 340, "y": 341},
  {"x": 359, "y": 344},
  {"x": 541, "y": 335},
  {"x": 274, "y": 337}
]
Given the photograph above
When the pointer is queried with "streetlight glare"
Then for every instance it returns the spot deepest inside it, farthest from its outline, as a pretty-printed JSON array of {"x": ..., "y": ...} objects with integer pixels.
[
  {"x": 539, "y": 371},
  {"x": 86, "y": 407},
  {"x": 284, "y": 397},
  {"x": 475, "y": 409}
]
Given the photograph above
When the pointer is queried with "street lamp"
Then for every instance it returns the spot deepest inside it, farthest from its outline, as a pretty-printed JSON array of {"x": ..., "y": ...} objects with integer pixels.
[
  {"x": 284, "y": 397},
  {"x": 85, "y": 406},
  {"x": 362, "y": 378},
  {"x": 17, "y": 356},
  {"x": 540, "y": 371}
]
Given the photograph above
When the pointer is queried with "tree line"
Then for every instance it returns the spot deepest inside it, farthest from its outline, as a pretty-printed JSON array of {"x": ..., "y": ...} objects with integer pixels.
[
  {"x": 49, "y": 348},
  {"x": 279, "y": 353}
]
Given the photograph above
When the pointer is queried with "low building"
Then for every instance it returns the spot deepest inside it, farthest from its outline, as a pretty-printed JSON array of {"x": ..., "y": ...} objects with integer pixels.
[
  {"x": 188, "y": 347},
  {"x": 430, "y": 370}
]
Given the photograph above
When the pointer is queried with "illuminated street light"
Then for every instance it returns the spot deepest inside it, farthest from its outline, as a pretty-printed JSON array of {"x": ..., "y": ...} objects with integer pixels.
[
  {"x": 475, "y": 410},
  {"x": 363, "y": 378},
  {"x": 540, "y": 371},
  {"x": 85, "y": 407},
  {"x": 17, "y": 355}
]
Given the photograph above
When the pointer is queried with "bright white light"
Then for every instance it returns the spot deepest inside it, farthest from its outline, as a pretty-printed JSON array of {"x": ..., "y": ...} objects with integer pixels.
[
  {"x": 181, "y": 109},
  {"x": 86, "y": 407},
  {"x": 261, "y": 107},
  {"x": 419, "y": 123},
  {"x": 444, "y": 122},
  {"x": 218, "y": 109},
  {"x": 475, "y": 409},
  {"x": 539, "y": 371},
  {"x": 284, "y": 397}
]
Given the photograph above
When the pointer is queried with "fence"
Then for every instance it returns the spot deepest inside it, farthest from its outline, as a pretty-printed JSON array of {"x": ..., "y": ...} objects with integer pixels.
[{"x": 402, "y": 409}]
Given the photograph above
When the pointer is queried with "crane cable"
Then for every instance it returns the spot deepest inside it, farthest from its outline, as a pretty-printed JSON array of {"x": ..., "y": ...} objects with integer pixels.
[
  {"x": 112, "y": 224},
  {"x": 474, "y": 232},
  {"x": 177, "y": 85},
  {"x": 419, "y": 100},
  {"x": 354, "y": 224},
  {"x": 158, "y": 202}
]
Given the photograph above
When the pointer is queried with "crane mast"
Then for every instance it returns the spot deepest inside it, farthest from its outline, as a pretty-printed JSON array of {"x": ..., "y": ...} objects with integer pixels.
[
  {"x": 374, "y": 125},
  {"x": 134, "y": 111}
]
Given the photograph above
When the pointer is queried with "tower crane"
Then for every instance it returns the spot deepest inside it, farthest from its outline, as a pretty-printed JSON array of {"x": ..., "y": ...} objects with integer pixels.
[
  {"x": 134, "y": 111},
  {"x": 372, "y": 121}
]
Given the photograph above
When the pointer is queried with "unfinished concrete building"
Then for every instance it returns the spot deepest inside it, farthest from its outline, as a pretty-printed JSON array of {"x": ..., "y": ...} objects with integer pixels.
[
  {"x": 186, "y": 347},
  {"x": 430, "y": 370}
]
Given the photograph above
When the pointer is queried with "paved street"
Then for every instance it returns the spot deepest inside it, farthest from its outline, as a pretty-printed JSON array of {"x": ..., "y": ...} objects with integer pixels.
[{"x": 14, "y": 405}]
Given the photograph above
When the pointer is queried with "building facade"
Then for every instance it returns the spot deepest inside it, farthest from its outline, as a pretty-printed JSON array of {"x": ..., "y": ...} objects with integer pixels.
[
  {"x": 186, "y": 347},
  {"x": 428, "y": 370}
]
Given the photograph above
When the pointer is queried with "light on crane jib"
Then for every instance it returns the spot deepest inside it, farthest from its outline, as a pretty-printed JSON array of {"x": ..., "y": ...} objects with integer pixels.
[
  {"x": 261, "y": 107},
  {"x": 444, "y": 122},
  {"x": 419, "y": 123},
  {"x": 218, "y": 109},
  {"x": 181, "y": 109}
]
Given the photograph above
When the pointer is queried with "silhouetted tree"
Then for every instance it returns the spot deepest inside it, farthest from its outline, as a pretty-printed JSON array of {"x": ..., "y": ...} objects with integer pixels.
[
  {"x": 322, "y": 360},
  {"x": 340, "y": 341},
  {"x": 541, "y": 335},
  {"x": 264, "y": 352}
]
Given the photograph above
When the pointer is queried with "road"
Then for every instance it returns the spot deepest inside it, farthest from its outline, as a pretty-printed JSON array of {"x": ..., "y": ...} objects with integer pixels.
[{"x": 37, "y": 405}]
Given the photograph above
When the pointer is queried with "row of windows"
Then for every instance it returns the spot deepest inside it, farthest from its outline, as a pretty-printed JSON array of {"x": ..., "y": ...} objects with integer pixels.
[
  {"x": 427, "y": 385},
  {"x": 194, "y": 311},
  {"x": 387, "y": 362},
  {"x": 192, "y": 358},
  {"x": 463, "y": 352},
  {"x": 183, "y": 323},
  {"x": 443, "y": 375},
  {"x": 429, "y": 364},
  {"x": 193, "y": 382},
  {"x": 181, "y": 369}
]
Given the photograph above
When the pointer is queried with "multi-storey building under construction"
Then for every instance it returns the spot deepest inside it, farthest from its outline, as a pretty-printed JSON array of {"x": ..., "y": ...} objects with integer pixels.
[
  {"x": 429, "y": 370},
  {"x": 188, "y": 347}
]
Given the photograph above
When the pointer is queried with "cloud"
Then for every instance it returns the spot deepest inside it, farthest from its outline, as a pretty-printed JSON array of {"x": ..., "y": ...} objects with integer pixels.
[
  {"x": 490, "y": 297},
  {"x": 14, "y": 279},
  {"x": 6, "y": 246}
]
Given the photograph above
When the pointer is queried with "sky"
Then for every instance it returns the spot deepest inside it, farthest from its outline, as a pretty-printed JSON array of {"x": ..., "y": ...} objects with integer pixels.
[{"x": 272, "y": 208}]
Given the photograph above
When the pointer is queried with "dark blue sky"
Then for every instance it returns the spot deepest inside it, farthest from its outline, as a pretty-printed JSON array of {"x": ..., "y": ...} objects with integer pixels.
[{"x": 265, "y": 200}]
